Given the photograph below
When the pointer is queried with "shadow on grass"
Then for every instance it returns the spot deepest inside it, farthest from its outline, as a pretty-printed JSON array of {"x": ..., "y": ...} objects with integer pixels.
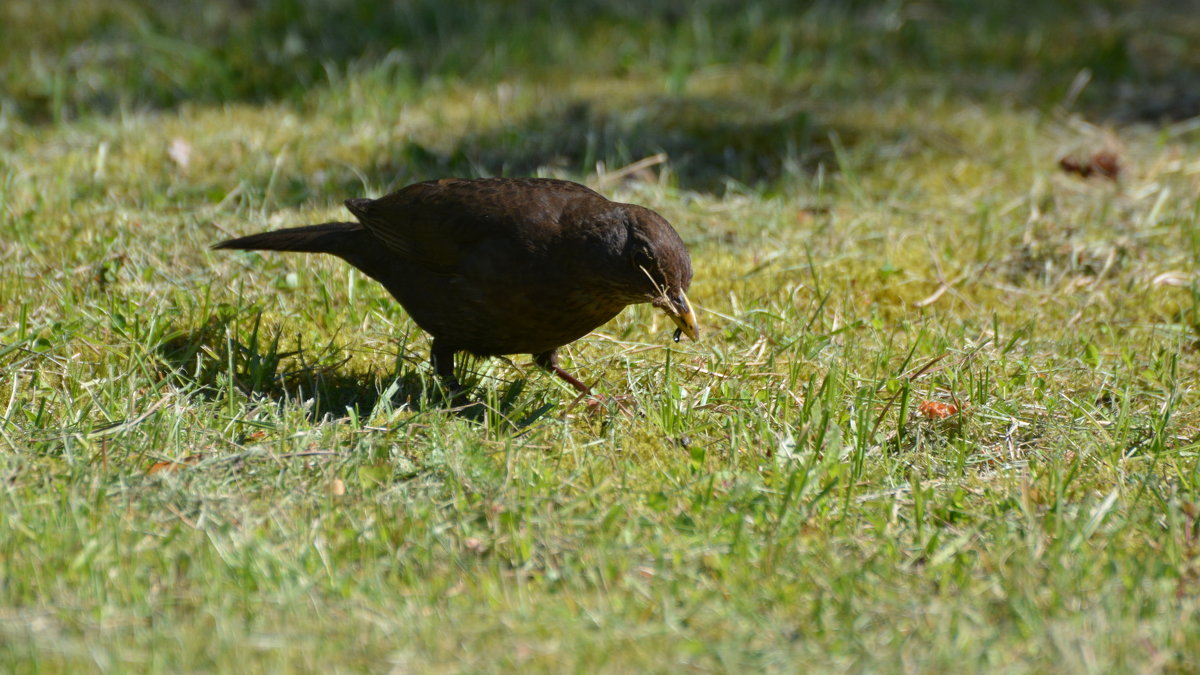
[
  {"x": 711, "y": 143},
  {"x": 216, "y": 359},
  {"x": 213, "y": 362}
]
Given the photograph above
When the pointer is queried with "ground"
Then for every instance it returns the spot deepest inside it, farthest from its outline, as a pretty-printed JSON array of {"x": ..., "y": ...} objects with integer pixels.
[{"x": 943, "y": 414}]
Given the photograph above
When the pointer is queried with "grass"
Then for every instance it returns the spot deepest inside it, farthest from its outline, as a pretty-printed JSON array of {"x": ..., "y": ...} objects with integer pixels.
[{"x": 239, "y": 462}]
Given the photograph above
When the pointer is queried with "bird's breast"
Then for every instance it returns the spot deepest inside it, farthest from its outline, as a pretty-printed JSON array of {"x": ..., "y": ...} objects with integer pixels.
[{"x": 515, "y": 314}]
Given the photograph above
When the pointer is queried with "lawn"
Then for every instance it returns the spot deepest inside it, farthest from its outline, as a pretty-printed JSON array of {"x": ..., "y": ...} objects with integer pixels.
[{"x": 944, "y": 414}]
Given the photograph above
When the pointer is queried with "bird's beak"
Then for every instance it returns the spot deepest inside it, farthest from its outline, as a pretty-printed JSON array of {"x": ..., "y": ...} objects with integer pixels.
[{"x": 685, "y": 319}]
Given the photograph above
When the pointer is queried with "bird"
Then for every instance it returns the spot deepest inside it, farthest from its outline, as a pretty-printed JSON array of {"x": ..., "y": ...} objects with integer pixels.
[{"x": 496, "y": 266}]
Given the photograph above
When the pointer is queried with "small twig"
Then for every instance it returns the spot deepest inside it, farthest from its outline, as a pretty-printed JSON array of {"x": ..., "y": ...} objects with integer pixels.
[
  {"x": 933, "y": 297},
  {"x": 128, "y": 424},
  {"x": 914, "y": 374},
  {"x": 704, "y": 371},
  {"x": 309, "y": 453},
  {"x": 892, "y": 399},
  {"x": 186, "y": 521},
  {"x": 641, "y": 164},
  {"x": 230, "y": 196}
]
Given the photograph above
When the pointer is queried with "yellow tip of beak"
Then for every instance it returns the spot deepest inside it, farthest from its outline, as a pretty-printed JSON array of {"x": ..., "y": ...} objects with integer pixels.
[{"x": 685, "y": 320}]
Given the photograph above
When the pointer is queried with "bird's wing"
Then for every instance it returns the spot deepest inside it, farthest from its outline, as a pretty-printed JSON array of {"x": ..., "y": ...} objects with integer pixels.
[{"x": 438, "y": 223}]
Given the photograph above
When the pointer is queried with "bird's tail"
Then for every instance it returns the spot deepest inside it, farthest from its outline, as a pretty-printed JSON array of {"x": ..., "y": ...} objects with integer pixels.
[{"x": 335, "y": 238}]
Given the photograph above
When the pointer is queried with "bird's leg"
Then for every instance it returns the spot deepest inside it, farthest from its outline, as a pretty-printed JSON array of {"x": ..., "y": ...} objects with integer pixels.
[
  {"x": 549, "y": 361},
  {"x": 441, "y": 357}
]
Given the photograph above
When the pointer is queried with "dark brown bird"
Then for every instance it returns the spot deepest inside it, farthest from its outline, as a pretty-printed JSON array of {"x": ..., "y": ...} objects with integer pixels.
[{"x": 505, "y": 265}]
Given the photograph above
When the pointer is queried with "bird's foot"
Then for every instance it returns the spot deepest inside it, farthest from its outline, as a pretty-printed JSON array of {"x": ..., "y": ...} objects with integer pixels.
[{"x": 453, "y": 395}]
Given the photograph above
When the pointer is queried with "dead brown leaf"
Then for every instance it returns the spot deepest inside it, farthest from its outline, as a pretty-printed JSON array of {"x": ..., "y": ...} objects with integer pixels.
[
  {"x": 936, "y": 410},
  {"x": 159, "y": 467}
]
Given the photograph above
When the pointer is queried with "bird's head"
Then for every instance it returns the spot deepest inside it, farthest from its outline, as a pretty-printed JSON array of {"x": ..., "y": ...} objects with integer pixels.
[{"x": 663, "y": 266}]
